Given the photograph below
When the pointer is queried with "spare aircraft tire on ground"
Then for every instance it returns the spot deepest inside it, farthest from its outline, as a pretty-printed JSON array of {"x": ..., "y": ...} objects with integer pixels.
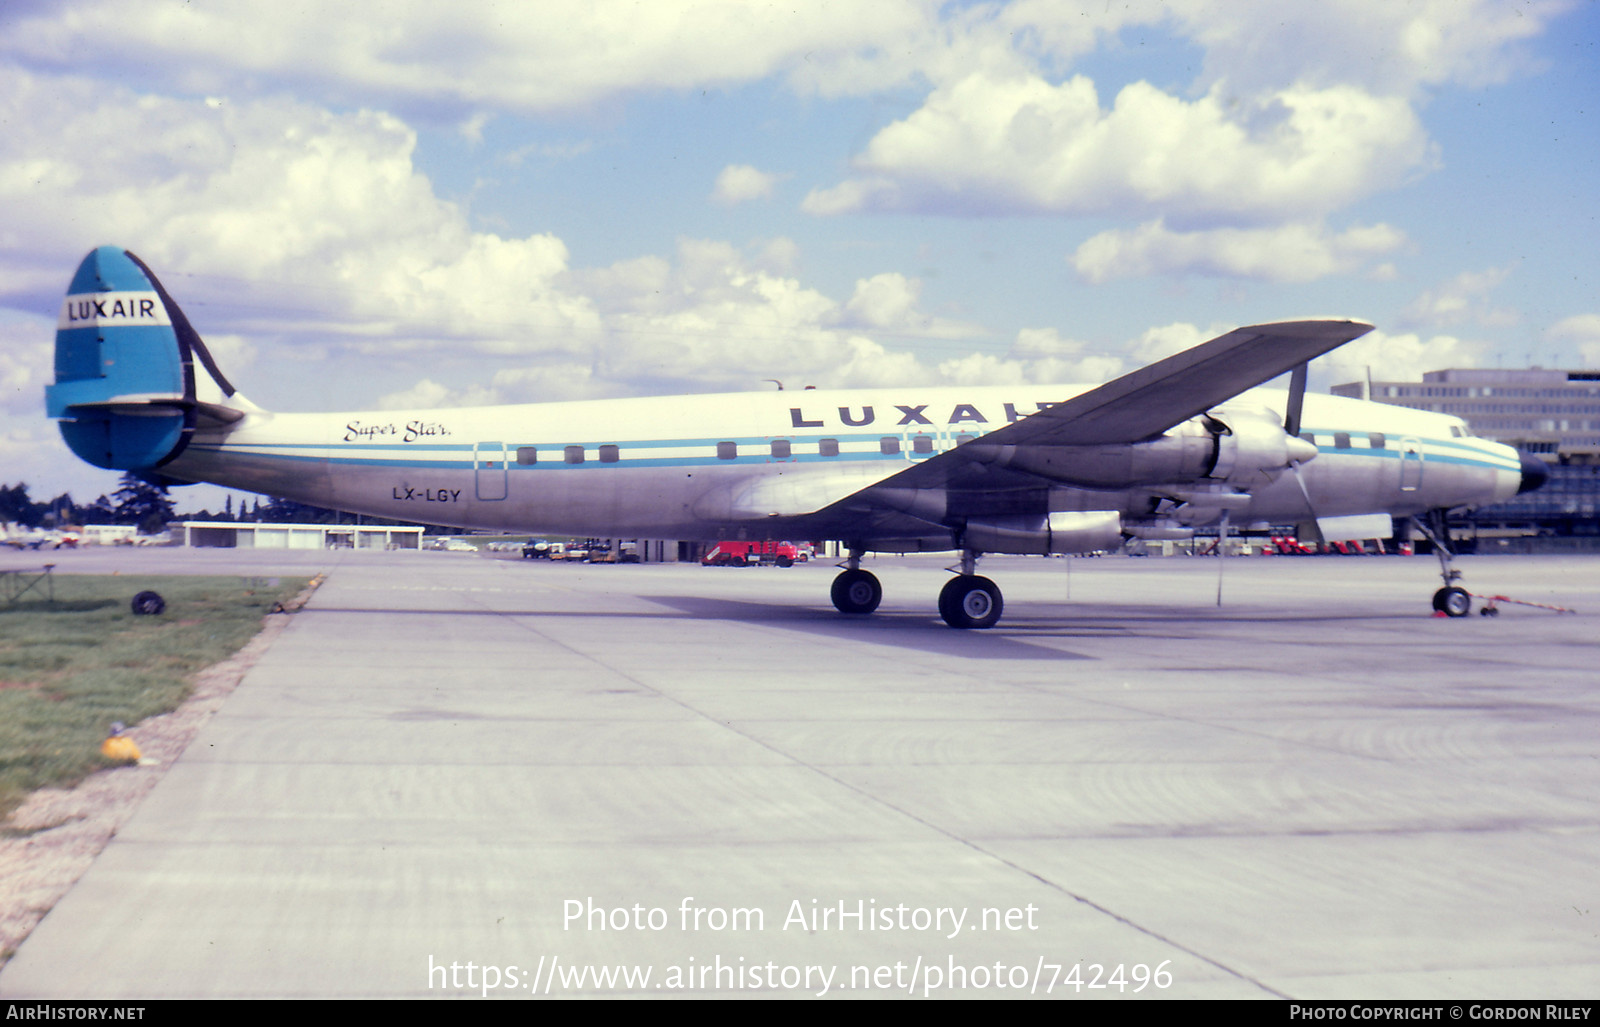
[{"x": 148, "y": 604}]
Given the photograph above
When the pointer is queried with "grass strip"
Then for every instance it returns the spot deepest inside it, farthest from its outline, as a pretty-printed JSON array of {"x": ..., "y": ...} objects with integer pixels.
[{"x": 68, "y": 669}]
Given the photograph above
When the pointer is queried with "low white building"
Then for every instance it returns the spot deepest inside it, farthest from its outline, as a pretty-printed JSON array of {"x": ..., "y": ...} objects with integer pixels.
[
  {"x": 108, "y": 534},
  {"x": 243, "y": 535}
]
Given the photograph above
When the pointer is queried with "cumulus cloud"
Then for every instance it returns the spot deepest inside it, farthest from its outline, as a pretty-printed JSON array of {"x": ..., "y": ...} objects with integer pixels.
[
  {"x": 889, "y": 303},
  {"x": 1464, "y": 299},
  {"x": 31, "y": 449},
  {"x": 1297, "y": 252},
  {"x": 453, "y": 61},
  {"x": 319, "y": 217},
  {"x": 1385, "y": 47},
  {"x": 287, "y": 228},
  {"x": 1582, "y": 330},
  {"x": 989, "y": 144},
  {"x": 1401, "y": 357},
  {"x": 740, "y": 183},
  {"x": 1051, "y": 358},
  {"x": 459, "y": 60},
  {"x": 715, "y": 316},
  {"x": 27, "y": 345}
]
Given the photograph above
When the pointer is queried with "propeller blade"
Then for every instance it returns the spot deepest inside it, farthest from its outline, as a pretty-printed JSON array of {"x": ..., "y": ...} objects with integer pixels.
[
  {"x": 1294, "y": 466},
  {"x": 1297, "y": 399},
  {"x": 1222, "y": 552}
]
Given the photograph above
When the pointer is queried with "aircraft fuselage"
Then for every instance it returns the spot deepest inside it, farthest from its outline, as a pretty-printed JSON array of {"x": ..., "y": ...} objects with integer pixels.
[{"x": 677, "y": 467}]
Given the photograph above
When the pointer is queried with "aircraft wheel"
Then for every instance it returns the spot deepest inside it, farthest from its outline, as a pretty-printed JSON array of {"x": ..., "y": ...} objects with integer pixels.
[
  {"x": 1453, "y": 601},
  {"x": 970, "y": 601},
  {"x": 856, "y": 592}
]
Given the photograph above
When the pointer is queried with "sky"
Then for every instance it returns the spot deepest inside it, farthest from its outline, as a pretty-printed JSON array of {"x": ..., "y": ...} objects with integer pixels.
[{"x": 387, "y": 205}]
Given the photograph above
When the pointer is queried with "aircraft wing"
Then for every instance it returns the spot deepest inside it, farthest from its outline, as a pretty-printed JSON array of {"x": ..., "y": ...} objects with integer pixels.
[{"x": 1145, "y": 403}]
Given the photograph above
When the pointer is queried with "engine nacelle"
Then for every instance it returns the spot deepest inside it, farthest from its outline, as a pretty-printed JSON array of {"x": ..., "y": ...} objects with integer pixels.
[
  {"x": 1253, "y": 448},
  {"x": 1243, "y": 448},
  {"x": 1057, "y": 533},
  {"x": 1185, "y": 453}
]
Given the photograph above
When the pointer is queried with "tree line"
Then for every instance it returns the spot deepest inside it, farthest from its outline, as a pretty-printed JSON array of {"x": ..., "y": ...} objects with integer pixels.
[{"x": 148, "y": 506}]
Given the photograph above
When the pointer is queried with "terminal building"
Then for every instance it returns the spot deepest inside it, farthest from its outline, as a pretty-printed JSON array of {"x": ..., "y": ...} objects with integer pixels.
[{"x": 1554, "y": 415}]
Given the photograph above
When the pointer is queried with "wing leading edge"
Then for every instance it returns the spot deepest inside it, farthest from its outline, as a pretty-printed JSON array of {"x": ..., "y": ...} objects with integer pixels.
[{"x": 1143, "y": 404}]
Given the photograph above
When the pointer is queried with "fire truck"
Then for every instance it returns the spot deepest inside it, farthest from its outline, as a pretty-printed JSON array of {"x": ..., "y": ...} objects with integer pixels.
[{"x": 746, "y": 554}]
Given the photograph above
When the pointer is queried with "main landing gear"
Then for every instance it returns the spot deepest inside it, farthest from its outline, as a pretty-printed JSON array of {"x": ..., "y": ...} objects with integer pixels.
[
  {"x": 856, "y": 590},
  {"x": 967, "y": 600},
  {"x": 970, "y": 600}
]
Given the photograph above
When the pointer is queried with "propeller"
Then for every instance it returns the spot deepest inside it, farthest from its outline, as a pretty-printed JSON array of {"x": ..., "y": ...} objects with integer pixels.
[{"x": 1291, "y": 428}]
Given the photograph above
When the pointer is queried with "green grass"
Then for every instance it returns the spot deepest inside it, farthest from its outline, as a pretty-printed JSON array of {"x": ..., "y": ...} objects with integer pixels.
[{"x": 70, "y": 668}]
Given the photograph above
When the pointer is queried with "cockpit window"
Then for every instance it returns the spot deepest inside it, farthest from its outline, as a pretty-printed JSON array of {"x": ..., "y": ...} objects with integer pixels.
[{"x": 1456, "y": 432}]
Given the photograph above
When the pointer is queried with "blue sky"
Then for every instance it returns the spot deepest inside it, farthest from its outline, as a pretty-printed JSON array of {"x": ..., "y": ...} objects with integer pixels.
[{"x": 413, "y": 204}]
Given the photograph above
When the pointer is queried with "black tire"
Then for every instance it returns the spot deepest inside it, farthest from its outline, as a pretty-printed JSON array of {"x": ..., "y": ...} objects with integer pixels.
[
  {"x": 784, "y": 561},
  {"x": 970, "y": 601},
  {"x": 148, "y": 604},
  {"x": 856, "y": 592},
  {"x": 1453, "y": 601}
]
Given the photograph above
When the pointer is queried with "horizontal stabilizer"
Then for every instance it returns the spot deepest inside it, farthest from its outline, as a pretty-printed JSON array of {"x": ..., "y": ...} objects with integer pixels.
[{"x": 210, "y": 415}]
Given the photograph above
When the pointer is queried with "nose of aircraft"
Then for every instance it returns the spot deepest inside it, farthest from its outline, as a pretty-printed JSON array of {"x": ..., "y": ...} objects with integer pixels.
[{"x": 1534, "y": 473}]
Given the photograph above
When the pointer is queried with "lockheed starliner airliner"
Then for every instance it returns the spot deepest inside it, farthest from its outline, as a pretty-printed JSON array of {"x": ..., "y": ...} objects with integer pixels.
[{"x": 1181, "y": 444}]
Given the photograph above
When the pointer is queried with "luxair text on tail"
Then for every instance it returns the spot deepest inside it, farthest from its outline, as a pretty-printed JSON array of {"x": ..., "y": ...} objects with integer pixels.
[{"x": 127, "y": 393}]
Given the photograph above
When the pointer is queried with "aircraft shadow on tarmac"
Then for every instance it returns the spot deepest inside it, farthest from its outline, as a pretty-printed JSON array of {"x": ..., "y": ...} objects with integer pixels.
[
  {"x": 923, "y": 632},
  {"x": 1021, "y": 637},
  {"x": 914, "y": 630}
]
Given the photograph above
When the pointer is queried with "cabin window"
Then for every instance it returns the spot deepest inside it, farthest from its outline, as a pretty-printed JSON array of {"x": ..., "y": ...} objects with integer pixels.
[
  {"x": 727, "y": 451},
  {"x": 574, "y": 454},
  {"x": 1376, "y": 440},
  {"x": 781, "y": 449},
  {"x": 609, "y": 454},
  {"x": 828, "y": 447},
  {"x": 888, "y": 445},
  {"x": 1309, "y": 437},
  {"x": 527, "y": 455},
  {"x": 964, "y": 438},
  {"x": 1341, "y": 440},
  {"x": 922, "y": 444}
]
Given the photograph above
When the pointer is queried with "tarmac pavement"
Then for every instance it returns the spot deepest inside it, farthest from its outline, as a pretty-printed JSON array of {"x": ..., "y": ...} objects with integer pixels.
[{"x": 456, "y": 775}]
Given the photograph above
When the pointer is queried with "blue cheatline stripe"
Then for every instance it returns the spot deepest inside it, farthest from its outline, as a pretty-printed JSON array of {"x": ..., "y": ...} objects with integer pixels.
[
  {"x": 467, "y": 447},
  {"x": 350, "y": 454},
  {"x": 1471, "y": 455},
  {"x": 757, "y": 451},
  {"x": 1479, "y": 460},
  {"x": 288, "y": 453}
]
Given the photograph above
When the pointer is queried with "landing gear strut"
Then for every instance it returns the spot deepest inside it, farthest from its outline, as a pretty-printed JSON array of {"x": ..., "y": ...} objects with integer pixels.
[
  {"x": 969, "y": 600},
  {"x": 1452, "y": 600},
  {"x": 856, "y": 590}
]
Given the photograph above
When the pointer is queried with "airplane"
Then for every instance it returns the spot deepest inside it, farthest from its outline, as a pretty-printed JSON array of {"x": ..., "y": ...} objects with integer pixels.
[{"x": 1025, "y": 469}]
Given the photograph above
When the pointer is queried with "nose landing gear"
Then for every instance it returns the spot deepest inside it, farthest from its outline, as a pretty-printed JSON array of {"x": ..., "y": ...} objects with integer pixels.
[{"x": 1452, "y": 600}]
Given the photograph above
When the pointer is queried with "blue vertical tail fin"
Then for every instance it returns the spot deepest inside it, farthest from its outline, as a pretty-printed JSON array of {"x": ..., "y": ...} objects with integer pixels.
[{"x": 132, "y": 377}]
